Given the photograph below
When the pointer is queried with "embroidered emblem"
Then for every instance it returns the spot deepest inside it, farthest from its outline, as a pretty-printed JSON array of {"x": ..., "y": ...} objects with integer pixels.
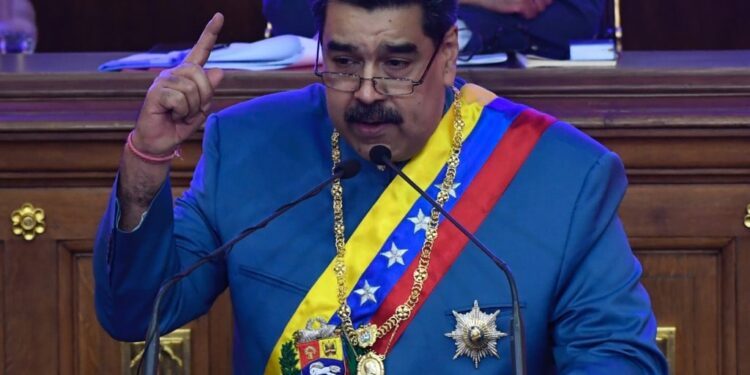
[
  {"x": 317, "y": 368},
  {"x": 319, "y": 349},
  {"x": 394, "y": 255},
  {"x": 367, "y": 293},
  {"x": 288, "y": 360},
  {"x": 421, "y": 222},
  {"x": 311, "y": 353},
  {"x": 315, "y": 329},
  {"x": 329, "y": 348},
  {"x": 323, "y": 356},
  {"x": 476, "y": 334}
]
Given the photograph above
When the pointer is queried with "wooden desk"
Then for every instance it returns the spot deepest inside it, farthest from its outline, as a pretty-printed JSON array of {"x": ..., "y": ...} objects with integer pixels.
[{"x": 680, "y": 121}]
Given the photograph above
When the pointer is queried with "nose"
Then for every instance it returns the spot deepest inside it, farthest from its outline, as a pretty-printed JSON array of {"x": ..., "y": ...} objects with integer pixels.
[{"x": 367, "y": 92}]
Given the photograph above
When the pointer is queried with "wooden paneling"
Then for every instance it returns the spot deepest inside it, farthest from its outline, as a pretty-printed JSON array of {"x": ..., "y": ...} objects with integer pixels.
[
  {"x": 684, "y": 25},
  {"x": 49, "y": 320},
  {"x": 657, "y": 210},
  {"x": 743, "y": 307},
  {"x": 67, "y": 315},
  {"x": 93, "y": 351},
  {"x": 2, "y": 306},
  {"x": 220, "y": 343},
  {"x": 693, "y": 280},
  {"x": 31, "y": 331},
  {"x": 123, "y": 25}
]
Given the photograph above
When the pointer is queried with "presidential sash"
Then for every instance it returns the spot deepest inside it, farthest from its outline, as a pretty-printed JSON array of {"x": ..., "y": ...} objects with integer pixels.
[{"x": 498, "y": 137}]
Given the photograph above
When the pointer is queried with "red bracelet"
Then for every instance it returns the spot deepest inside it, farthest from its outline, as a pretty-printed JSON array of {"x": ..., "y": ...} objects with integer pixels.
[{"x": 151, "y": 158}]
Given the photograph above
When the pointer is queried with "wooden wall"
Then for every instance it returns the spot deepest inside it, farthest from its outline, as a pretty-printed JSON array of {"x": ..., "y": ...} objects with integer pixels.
[
  {"x": 685, "y": 24},
  {"x": 137, "y": 25}
]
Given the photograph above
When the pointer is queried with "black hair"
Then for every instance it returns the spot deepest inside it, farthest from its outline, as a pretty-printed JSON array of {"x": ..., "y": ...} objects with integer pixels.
[{"x": 437, "y": 15}]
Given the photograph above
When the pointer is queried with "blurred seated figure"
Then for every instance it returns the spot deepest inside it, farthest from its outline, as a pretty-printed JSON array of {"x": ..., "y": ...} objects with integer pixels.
[
  {"x": 539, "y": 27},
  {"x": 17, "y": 26}
]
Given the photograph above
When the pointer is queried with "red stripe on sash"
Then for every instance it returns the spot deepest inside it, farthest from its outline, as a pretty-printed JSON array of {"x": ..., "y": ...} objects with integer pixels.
[{"x": 471, "y": 210}]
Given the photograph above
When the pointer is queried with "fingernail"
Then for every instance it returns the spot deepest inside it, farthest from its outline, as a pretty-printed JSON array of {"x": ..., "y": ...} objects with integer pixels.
[{"x": 206, "y": 107}]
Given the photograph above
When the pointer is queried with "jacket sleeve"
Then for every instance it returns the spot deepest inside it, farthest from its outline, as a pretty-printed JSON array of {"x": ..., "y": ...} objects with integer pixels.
[
  {"x": 603, "y": 322},
  {"x": 129, "y": 267}
]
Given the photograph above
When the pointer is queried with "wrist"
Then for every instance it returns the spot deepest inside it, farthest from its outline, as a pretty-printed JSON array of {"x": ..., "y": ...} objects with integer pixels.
[{"x": 147, "y": 156}]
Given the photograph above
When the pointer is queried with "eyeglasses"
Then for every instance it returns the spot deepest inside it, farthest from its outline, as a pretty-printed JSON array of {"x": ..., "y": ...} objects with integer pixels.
[{"x": 391, "y": 86}]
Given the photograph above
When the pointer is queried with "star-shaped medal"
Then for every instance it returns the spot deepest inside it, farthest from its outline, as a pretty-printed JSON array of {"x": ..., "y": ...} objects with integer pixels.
[
  {"x": 476, "y": 334},
  {"x": 421, "y": 222},
  {"x": 394, "y": 255},
  {"x": 367, "y": 293}
]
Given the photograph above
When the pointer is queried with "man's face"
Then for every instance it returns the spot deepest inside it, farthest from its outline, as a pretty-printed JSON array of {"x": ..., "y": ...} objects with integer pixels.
[{"x": 385, "y": 42}]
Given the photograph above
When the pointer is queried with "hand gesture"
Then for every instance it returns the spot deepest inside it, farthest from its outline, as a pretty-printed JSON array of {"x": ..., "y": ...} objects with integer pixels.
[{"x": 178, "y": 101}]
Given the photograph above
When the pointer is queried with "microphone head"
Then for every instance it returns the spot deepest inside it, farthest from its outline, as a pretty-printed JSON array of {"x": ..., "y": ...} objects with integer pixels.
[
  {"x": 347, "y": 168},
  {"x": 379, "y": 154}
]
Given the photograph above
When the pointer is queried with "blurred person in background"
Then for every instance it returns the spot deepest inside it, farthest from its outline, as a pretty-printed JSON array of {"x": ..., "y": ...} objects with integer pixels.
[
  {"x": 17, "y": 26},
  {"x": 540, "y": 27}
]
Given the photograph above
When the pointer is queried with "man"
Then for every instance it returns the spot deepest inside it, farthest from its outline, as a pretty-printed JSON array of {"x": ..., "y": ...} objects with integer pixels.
[
  {"x": 539, "y": 27},
  {"x": 366, "y": 278}
]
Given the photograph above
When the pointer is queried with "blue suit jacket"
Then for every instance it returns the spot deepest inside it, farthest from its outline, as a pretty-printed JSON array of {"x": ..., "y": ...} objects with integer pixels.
[
  {"x": 556, "y": 226},
  {"x": 549, "y": 34}
]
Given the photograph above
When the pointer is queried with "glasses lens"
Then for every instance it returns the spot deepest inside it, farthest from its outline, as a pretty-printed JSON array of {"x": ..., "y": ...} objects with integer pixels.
[
  {"x": 341, "y": 82},
  {"x": 351, "y": 83},
  {"x": 393, "y": 86}
]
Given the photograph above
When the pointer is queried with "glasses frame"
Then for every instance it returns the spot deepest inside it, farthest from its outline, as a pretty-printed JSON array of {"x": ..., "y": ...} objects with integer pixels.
[{"x": 374, "y": 80}]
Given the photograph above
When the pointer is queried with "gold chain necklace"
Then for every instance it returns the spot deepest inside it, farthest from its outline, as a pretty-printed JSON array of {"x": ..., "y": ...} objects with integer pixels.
[{"x": 367, "y": 334}]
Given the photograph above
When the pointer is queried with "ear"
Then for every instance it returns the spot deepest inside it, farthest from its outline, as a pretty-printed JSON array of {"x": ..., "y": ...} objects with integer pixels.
[{"x": 449, "y": 55}]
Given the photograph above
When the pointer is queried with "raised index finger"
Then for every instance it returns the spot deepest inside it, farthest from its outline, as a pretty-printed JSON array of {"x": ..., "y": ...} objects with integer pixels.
[{"x": 202, "y": 49}]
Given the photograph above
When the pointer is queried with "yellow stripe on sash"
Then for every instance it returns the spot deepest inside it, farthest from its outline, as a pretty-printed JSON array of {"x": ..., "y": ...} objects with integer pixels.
[{"x": 382, "y": 219}]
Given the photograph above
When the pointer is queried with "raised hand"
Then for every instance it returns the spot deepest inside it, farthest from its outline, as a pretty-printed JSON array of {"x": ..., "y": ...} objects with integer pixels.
[
  {"x": 176, "y": 104},
  {"x": 178, "y": 101}
]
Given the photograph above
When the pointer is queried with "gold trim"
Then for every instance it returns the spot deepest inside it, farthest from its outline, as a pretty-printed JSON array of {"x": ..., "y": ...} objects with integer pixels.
[
  {"x": 618, "y": 25},
  {"x": 666, "y": 340},
  {"x": 747, "y": 216},
  {"x": 28, "y": 221},
  {"x": 174, "y": 357}
]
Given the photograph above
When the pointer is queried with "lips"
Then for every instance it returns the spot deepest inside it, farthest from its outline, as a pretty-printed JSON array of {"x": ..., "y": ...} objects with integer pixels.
[{"x": 369, "y": 131}]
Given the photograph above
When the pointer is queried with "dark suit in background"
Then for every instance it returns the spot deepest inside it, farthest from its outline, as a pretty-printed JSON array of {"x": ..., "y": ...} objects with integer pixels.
[{"x": 549, "y": 34}]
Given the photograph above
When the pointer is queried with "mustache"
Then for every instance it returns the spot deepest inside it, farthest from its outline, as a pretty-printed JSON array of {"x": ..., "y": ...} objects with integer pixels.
[{"x": 372, "y": 113}]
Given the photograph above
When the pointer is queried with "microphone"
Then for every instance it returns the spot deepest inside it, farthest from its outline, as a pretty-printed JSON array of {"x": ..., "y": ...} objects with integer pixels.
[
  {"x": 344, "y": 170},
  {"x": 381, "y": 155}
]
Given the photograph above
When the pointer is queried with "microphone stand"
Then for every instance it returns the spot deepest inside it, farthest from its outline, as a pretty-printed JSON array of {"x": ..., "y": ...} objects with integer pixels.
[
  {"x": 150, "y": 361},
  {"x": 518, "y": 348}
]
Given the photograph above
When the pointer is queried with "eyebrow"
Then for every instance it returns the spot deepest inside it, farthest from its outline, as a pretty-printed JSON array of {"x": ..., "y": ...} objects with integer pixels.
[
  {"x": 407, "y": 47},
  {"x": 340, "y": 47}
]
